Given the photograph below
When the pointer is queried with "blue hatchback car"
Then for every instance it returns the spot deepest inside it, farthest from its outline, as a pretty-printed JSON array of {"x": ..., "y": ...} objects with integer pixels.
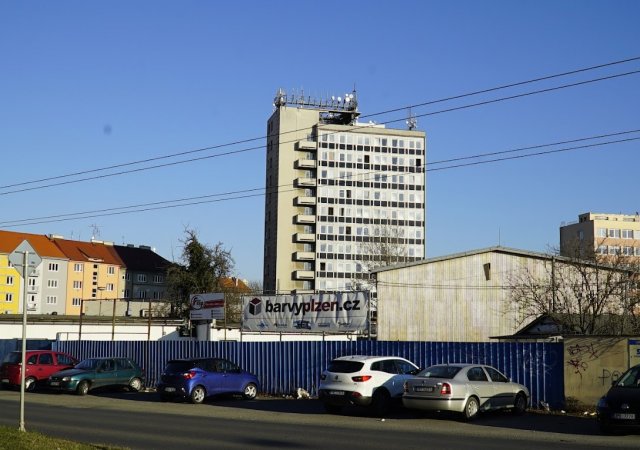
[{"x": 198, "y": 378}]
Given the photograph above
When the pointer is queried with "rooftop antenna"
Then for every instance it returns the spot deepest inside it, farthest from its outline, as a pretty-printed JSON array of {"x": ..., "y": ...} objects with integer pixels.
[
  {"x": 95, "y": 231},
  {"x": 412, "y": 121}
]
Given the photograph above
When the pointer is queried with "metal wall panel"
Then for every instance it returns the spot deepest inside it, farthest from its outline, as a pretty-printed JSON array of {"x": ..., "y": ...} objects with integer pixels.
[{"x": 282, "y": 367}]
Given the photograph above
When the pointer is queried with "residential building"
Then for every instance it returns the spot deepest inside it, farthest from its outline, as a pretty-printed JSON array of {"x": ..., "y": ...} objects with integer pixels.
[
  {"x": 339, "y": 194},
  {"x": 94, "y": 272},
  {"x": 46, "y": 283},
  {"x": 143, "y": 277},
  {"x": 606, "y": 234}
]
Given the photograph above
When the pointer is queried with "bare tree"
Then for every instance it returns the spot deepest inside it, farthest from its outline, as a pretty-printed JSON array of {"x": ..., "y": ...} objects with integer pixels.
[
  {"x": 584, "y": 291},
  {"x": 384, "y": 248}
]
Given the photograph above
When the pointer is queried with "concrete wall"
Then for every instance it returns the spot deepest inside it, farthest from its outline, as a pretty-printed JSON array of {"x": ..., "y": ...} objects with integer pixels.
[
  {"x": 70, "y": 331},
  {"x": 591, "y": 364}
]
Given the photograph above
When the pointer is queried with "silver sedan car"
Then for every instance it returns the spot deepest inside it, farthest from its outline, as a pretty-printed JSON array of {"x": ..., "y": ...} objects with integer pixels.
[{"x": 464, "y": 388}]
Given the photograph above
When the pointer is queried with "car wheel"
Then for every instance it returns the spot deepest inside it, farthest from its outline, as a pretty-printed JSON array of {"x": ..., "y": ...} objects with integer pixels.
[
  {"x": 332, "y": 409},
  {"x": 198, "y": 394},
  {"x": 520, "y": 404},
  {"x": 83, "y": 388},
  {"x": 471, "y": 408},
  {"x": 135, "y": 384},
  {"x": 30, "y": 384},
  {"x": 250, "y": 391},
  {"x": 381, "y": 402},
  {"x": 606, "y": 428}
]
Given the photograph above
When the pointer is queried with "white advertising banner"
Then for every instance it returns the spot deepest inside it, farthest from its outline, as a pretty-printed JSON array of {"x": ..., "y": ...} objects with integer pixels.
[
  {"x": 336, "y": 312},
  {"x": 206, "y": 306}
]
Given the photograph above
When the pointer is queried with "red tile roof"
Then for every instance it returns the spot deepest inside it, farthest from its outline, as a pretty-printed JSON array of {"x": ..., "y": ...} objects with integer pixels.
[
  {"x": 97, "y": 252},
  {"x": 41, "y": 243}
]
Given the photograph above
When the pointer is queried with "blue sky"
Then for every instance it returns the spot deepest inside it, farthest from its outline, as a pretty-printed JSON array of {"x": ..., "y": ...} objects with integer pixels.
[{"x": 87, "y": 85}]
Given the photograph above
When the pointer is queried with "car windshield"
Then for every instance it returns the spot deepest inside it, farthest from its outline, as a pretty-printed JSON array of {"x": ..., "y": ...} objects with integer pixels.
[
  {"x": 631, "y": 378},
  {"x": 339, "y": 366},
  {"x": 179, "y": 366},
  {"x": 440, "y": 372},
  {"x": 88, "y": 364},
  {"x": 13, "y": 358}
]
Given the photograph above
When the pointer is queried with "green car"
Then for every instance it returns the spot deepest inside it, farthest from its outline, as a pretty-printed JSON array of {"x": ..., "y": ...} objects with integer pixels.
[{"x": 98, "y": 372}]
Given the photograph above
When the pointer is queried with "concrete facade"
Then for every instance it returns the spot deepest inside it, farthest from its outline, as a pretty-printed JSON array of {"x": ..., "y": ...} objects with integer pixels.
[
  {"x": 334, "y": 186},
  {"x": 606, "y": 234},
  {"x": 591, "y": 364}
]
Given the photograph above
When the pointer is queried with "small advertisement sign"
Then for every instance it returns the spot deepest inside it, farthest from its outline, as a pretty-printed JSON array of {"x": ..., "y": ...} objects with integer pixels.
[
  {"x": 206, "y": 306},
  {"x": 336, "y": 312}
]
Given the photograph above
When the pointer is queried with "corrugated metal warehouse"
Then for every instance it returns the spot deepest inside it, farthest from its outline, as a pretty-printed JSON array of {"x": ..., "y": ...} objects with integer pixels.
[{"x": 462, "y": 297}]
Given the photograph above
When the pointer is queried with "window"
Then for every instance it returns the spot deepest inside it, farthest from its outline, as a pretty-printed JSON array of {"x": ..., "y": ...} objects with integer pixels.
[
  {"x": 111, "y": 270},
  {"x": 496, "y": 376},
  {"x": 127, "y": 276},
  {"x": 52, "y": 283},
  {"x": 627, "y": 234},
  {"x": 65, "y": 360},
  {"x": 77, "y": 284},
  {"x": 614, "y": 233},
  {"x": 142, "y": 278},
  {"x": 9, "y": 280},
  {"x": 52, "y": 300},
  {"x": 76, "y": 301},
  {"x": 109, "y": 287},
  {"x": 46, "y": 358},
  {"x": 8, "y": 297},
  {"x": 476, "y": 374},
  {"x": 158, "y": 278},
  {"x": 77, "y": 267},
  {"x": 53, "y": 267}
]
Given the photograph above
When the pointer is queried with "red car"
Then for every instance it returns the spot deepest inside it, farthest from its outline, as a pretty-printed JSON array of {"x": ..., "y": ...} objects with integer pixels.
[{"x": 40, "y": 364}]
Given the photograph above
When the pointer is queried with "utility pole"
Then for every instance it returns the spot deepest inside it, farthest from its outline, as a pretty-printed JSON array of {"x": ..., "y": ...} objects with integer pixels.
[{"x": 24, "y": 256}]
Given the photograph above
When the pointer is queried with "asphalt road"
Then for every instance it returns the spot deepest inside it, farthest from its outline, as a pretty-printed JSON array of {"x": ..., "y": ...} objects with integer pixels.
[{"x": 139, "y": 421}]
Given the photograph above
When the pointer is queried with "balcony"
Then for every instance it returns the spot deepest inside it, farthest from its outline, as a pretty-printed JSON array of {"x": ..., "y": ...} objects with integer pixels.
[
  {"x": 302, "y": 291},
  {"x": 304, "y": 237},
  {"x": 305, "y": 219},
  {"x": 305, "y": 164},
  {"x": 304, "y": 256},
  {"x": 303, "y": 274},
  {"x": 305, "y": 201},
  {"x": 306, "y": 145},
  {"x": 305, "y": 182}
]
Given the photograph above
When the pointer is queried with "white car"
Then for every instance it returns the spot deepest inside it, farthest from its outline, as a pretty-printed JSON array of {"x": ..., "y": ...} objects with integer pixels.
[
  {"x": 370, "y": 381},
  {"x": 464, "y": 388}
]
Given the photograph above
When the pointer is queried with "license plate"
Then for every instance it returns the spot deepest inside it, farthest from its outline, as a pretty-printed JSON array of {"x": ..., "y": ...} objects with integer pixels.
[
  {"x": 336, "y": 392},
  {"x": 624, "y": 416},
  {"x": 54, "y": 383},
  {"x": 5, "y": 380},
  {"x": 169, "y": 389},
  {"x": 423, "y": 388}
]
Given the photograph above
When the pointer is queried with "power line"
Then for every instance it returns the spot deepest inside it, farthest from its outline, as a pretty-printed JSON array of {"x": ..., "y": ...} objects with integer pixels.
[
  {"x": 255, "y": 192},
  {"x": 520, "y": 149},
  {"x": 354, "y": 129},
  {"x": 505, "y": 86}
]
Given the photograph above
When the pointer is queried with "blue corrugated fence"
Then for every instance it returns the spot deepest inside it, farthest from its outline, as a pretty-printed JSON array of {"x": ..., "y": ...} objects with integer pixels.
[{"x": 282, "y": 367}]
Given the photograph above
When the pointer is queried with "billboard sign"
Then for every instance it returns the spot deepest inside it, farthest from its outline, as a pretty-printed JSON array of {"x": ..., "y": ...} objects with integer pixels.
[
  {"x": 206, "y": 306},
  {"x": 336, "y": 312}
]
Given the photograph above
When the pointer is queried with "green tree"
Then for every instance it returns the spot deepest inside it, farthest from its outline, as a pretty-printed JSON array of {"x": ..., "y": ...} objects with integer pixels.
[{"x": 202, "y": 270}]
